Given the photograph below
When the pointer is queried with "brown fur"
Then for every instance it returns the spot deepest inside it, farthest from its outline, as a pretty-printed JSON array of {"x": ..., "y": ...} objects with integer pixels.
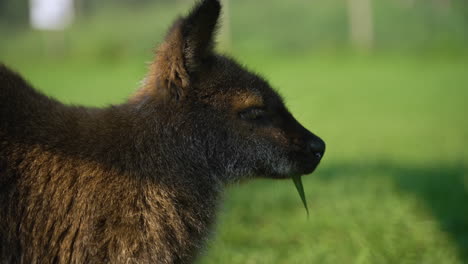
[{"x": 140, "y": 182}]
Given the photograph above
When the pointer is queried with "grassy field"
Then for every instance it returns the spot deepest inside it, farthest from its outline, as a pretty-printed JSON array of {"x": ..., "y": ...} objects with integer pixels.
[{"x": 393, "y": 186}]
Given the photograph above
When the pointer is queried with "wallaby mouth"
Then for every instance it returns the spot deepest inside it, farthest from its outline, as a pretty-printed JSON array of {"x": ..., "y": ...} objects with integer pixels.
[{"x": 298, "y": 165}]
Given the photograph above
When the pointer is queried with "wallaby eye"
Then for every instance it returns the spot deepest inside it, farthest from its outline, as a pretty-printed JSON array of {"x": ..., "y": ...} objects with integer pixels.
[{"x": 254, "y": 114}]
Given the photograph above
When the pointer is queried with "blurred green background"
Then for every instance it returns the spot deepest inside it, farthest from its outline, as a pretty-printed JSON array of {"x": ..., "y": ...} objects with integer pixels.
[{"x": 383, "y": 82}]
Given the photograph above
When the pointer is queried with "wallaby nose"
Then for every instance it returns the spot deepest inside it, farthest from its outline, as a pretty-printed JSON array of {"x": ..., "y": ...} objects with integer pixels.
[{"x": 317, "y": 147}]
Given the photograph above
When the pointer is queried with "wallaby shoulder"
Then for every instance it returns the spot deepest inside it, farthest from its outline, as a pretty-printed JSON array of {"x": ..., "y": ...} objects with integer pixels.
[
  {"x": 28, "y": 114},
  {"x": 20, "y": 103},
  {"x": 14, "y": 89}
]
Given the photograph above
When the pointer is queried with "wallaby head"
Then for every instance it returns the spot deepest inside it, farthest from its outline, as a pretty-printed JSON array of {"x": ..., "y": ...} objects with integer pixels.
[{"x": 242, "y": 123}]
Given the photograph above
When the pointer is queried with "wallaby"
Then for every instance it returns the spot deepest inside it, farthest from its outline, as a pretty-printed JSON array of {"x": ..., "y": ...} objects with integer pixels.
[{"x": 140, "y": 182}]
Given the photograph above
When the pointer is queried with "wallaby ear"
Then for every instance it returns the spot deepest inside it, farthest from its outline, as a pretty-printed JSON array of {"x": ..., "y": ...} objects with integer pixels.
[
  {"x": 188, "y": 42},
  {"x": 199, "y": 30}
]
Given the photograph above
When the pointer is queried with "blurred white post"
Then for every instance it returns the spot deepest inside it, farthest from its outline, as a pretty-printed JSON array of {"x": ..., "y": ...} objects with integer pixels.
[
  {"x": 443, "y": 5},
  {"x": 361, "y": 25},
  {"x": 52, "y": 15}
]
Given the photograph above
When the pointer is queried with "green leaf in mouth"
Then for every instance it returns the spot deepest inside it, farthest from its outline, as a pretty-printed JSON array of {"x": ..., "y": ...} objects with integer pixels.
[{"x": 300, "y": 189}]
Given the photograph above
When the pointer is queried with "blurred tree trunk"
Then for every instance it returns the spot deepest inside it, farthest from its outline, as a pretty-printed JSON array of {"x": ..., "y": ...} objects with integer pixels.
[
  {"x": 14, "y": 13},
  {"x": 83, "y": 8},
  {"x": 443, "y": 5},
  {"x": 361, "y": 24},
  {"x": 446, "y": 3}
]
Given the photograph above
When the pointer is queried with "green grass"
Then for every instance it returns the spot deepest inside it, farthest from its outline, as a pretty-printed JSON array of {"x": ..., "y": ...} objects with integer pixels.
[
  {"x": 360, "y": 213},
  {"x": 393, "y": 185},
  {"x": 392, "y": 188}
]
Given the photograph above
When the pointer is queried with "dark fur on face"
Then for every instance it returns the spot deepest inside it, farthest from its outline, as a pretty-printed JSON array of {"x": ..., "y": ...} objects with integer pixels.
[{"x": 140, "y": 182}]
